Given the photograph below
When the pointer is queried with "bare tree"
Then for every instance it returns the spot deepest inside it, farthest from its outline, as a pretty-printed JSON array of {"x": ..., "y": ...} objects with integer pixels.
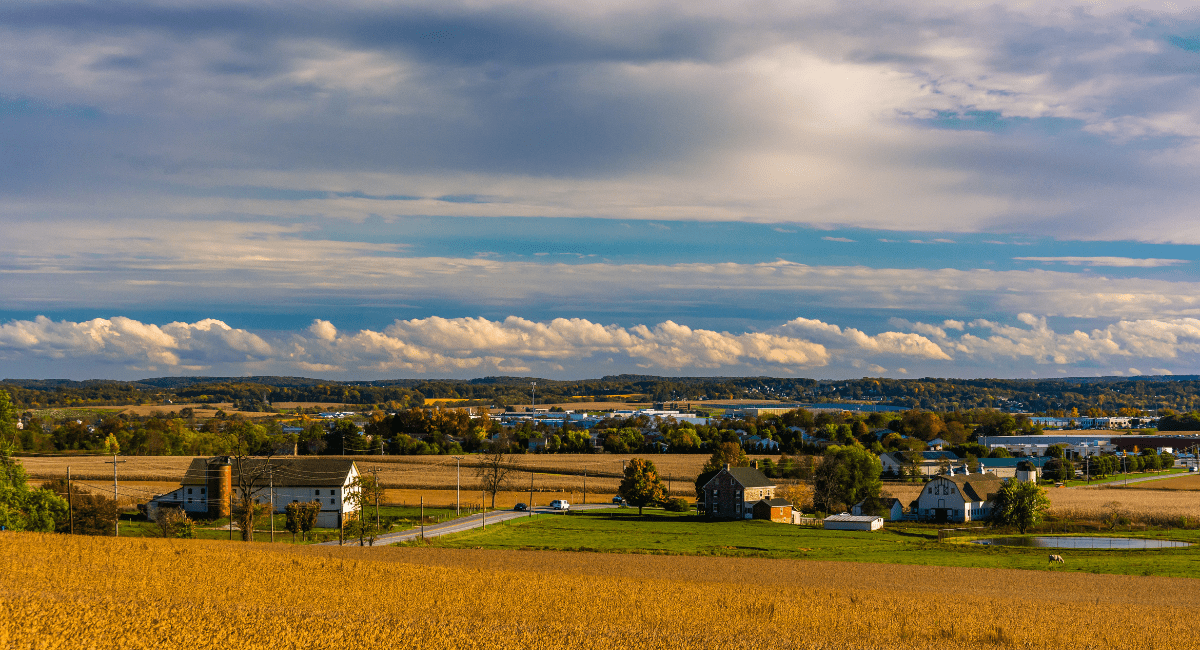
[{"x": 494, "y": 470}]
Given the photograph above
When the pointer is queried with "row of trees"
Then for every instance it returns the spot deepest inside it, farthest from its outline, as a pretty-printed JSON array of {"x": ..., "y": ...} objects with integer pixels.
[{"x": 1104, "y": 396}]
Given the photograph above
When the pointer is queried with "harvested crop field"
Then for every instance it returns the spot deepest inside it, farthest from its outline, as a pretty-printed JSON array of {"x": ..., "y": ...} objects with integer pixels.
[
  {"x": 552, "y": 472},
  {"x": 69, "y": 592},
  {"x": 1139, "y": 504},
  {"x": 1185, "y": 482}
]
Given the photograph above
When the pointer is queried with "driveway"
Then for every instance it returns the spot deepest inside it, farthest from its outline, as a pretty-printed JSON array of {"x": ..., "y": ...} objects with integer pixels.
[{"x": 464, "y": 523}]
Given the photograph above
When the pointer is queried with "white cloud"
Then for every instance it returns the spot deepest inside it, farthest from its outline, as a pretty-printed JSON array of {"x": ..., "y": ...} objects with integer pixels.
[
  {"x": 1107, "y": 261},
  {"x": 572, "y": 347}
]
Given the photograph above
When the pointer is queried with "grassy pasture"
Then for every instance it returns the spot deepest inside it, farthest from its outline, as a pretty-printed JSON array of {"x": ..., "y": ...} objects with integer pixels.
[
  {"x": 622, "y": 531},
  {"x": 63, "y": 592}
]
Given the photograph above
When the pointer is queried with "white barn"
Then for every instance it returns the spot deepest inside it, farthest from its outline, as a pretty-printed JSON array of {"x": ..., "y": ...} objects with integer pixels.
[
  {"x": 960, "y": 498},
  {"x": 209, "y": 483}
]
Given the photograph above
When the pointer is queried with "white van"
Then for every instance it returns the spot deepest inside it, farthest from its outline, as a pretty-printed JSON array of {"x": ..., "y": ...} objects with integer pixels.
[{"x": 559, "y": 504}]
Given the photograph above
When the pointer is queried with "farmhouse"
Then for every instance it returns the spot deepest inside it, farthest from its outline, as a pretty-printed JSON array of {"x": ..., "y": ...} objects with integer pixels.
[
  {"x": 959, "y": 498},
  {"x": 732, "y": 492},
  {"x": 210, "y": 484}
]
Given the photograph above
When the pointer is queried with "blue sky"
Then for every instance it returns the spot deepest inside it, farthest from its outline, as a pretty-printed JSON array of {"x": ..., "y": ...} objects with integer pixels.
[{"x": 421, "y": 189}]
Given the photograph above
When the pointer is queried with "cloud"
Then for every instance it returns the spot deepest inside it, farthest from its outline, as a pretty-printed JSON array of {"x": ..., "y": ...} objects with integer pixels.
[
  {"x": 1107, "y": 261},
  {"x": 841, "y": 239},
  {"x": 1062, "y": 119},
  {"x": 475, "y": 346}
]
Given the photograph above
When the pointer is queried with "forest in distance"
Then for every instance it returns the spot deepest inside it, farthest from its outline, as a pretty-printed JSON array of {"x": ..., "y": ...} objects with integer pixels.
[{"x": 1105, "y": 395}]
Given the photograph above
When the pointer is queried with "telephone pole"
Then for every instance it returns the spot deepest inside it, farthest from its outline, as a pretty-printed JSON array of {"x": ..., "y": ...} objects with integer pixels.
[
  {"x": 70, "y": 503},
  {"x": 422, "y": 516},
  {"x": 458, "y": 487},
  {"x": 272, "y": 479},
  {"x": 530, "y": 493},
  {"x": 375, "y": 488},
  {"x": 534, "y": 384},
  {"x": 117, "y": 524}
]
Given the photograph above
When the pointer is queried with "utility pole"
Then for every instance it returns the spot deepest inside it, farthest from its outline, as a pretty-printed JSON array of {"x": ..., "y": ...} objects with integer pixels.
[
  {"x": 231, "y": 509},
  {"x": 530, "y": 493},
  {"x": 70, "y": 503},
  {"x": 117, "y": 524},
  {"x": 422, "y": 516},
  {"x": 585, "y": 487},
  {"x": 483, "y": 500},
  {"x": 534, "y": 384},
  {"x": 458, "y": 487},
  {"x": 272, "y": 478}
]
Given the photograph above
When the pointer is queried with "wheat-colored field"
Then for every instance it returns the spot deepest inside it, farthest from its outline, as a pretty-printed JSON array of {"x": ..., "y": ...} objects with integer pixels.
[
  {"x": 1185, "y": 482},
  {"x": 1172, "y": 507},
  {"x": 88, "y": 592}
]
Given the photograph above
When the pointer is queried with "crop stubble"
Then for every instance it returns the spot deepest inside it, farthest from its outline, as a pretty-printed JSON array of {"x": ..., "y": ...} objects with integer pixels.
[{"x": 74, "y": 592}]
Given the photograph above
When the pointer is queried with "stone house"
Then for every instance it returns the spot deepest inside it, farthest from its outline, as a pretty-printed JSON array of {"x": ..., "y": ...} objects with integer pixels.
[{"x": 732, "y": 492}]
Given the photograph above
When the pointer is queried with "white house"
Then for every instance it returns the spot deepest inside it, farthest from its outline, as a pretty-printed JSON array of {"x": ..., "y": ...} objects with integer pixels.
[
  {"x": 210, "y": 483},
  {"x": 960, "y": 498}
]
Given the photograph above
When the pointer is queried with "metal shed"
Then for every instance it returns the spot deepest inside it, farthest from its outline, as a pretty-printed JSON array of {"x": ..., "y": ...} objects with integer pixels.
[{"x": 853, "y": 522}]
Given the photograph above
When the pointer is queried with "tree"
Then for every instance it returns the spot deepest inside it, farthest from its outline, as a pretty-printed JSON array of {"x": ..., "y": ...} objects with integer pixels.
[
  {"x": 800, "y": 494},
  {"x": 94, "y": 514},
  {"x": 22, "y": 508},
  {"x": 1059, "y": 469},
  {"x": 494, "y": 470},
  {"x": 301, "y": 517},
  {"x": 8, "y": 419},
  {"x": 1020, "y": 504},
  {"x": 726, "y": 453},
  {"x": 641, "y": 486},
  {"x": 365, "y": 491},
  {"x": 174, "y": 522},
  {"x": 846, "y": 476},
  {"x": 252, "y": 476}
]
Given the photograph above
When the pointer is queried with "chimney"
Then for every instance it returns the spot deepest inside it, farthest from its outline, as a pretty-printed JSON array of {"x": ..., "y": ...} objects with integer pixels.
[
  {"x": 755, "y": 464},
  {"x": 726, "y": 466}
]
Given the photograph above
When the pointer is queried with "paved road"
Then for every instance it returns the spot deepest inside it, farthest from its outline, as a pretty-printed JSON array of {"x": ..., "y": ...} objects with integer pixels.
[
  {"x": 1135, "y": 480},
  {"x": 465, "y": 523}
]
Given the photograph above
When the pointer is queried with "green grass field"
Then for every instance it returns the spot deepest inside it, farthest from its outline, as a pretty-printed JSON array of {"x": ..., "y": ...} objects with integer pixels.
[
  {"x": 1120, "y": 478},
  {"x": 402, "y": 518},
  {"x": 622, "y": 531}
]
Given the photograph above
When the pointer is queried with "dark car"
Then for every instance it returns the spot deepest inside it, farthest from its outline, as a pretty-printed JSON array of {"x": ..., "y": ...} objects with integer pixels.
[
  {"x": 521, "y": 506},
  {"x": 619, "y": 500}
]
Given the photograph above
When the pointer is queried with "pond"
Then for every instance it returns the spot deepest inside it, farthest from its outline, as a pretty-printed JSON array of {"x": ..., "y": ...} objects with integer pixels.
[{"x": 1102, "y": 543}]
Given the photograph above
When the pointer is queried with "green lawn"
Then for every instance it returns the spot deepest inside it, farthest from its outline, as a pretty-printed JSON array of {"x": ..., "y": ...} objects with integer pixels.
[
  {"x": 622, "y": 531},
  {"x": 1120, "y": 478},
  {"x": 401, "y": 517}
]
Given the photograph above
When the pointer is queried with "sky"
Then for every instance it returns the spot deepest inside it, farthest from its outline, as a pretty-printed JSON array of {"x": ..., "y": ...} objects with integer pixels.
[{"x": 376, "y": 190}]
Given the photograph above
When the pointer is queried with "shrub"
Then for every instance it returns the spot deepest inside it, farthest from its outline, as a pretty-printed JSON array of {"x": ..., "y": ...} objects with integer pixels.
[{"x": 677, "y": 505}]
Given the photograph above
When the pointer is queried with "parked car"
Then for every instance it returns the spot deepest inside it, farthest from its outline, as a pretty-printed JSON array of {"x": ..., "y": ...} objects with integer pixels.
[
  {"x": 521, "y": 507},
  {"x": 620, "y": 500},
  {"x": 559, "y": 504}
]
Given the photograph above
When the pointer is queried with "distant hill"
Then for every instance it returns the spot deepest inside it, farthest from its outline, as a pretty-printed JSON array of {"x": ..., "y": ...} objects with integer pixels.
[{"x": 1181, "y": 393}]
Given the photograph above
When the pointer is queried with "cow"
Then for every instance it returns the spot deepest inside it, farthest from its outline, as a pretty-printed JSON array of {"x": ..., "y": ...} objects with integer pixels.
[{"x": 1057, "y": 558}]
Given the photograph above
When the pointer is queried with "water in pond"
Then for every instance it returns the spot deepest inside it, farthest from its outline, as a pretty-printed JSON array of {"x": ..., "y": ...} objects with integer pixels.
[{"x": 1115, "y": 543}]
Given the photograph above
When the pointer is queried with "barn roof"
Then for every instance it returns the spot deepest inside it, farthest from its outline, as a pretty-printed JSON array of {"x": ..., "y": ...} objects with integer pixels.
[
  {"x": 976, "y": 487},
  {"x": 313, "y": 471},
  {"x": 776, "y": 502}
]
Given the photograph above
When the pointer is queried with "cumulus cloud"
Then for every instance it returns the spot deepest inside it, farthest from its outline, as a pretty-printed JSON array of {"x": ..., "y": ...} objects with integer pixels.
[{"x": 473, "y": 346}]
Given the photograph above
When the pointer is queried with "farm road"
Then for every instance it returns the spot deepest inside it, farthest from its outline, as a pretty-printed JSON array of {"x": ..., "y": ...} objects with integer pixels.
[{"x": 465, "y": 523}]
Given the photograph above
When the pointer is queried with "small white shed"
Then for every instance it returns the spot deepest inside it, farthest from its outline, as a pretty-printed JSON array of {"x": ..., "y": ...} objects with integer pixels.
[{"x": 853, "y": 522}]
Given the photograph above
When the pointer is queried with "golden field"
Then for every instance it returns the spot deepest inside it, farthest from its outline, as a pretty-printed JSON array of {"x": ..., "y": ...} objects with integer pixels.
[
  {"x": 98, "y": 593},
  {"x": 552, "y": 472}
]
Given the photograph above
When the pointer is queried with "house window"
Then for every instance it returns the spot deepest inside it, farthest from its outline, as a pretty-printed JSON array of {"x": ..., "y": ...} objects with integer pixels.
[
  {"x": 331, "y": 502},
  {"x": 201, "y": 490},
  {"x": 189, "y": 490},
  {"x": 318, "y": 493}
]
